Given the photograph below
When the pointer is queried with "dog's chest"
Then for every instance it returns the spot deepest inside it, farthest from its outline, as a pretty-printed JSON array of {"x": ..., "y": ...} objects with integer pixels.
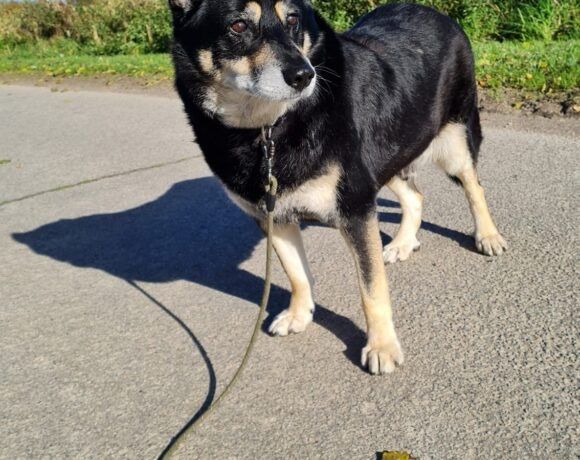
[
  {"x": 315, "y": 199},
  {"x": 242, "y": 111}
]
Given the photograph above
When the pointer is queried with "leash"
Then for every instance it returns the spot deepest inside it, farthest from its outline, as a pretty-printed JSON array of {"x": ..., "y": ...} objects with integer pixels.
[{"x": 271, "y": 188}]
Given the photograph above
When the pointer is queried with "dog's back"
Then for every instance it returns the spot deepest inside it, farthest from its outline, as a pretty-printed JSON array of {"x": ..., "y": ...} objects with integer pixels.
[{"x": 427, "y": 75}]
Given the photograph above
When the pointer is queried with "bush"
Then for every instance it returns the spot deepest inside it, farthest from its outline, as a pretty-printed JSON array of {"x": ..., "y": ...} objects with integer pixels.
[
  {"x": 100, "y": 26},
  {"x": 481, "y": 19},
  {"x": 143, "y": 26}
]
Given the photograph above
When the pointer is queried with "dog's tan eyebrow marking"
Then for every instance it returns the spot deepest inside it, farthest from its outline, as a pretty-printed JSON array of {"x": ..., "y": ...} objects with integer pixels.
[
  {"x": 206, "y": 61},
  {"x": 254, "y": 11},
  {"x": 281, "y": 10}
]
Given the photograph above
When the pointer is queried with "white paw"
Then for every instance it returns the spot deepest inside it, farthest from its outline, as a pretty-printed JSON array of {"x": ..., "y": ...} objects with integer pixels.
[
  {"x": 290, "y": 322},
  {"x": 493, "y": 245},
  {"x": 399, "y": 251},
  {"x": 383, "y": 358}
]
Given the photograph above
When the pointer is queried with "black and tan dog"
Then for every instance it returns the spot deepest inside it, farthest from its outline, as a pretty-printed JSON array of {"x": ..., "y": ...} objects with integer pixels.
[{"x": 354, "y": 112}]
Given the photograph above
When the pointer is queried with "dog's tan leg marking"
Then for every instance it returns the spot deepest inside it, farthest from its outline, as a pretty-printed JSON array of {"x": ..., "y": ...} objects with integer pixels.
[
  {"x": 383, "y": 350},
  {"x": 288, "y": 244},
  {"x": 487, "y": 238},
  {"x": 411, "y": 202},
  {"x": 451, "y": 153}
]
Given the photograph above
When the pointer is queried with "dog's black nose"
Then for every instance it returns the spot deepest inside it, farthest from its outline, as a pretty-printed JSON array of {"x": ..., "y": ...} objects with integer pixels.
[{"x": 298, "y": 77}]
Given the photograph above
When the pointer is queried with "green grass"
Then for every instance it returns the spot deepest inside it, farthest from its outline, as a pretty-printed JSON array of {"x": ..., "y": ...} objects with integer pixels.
[
  {"x": 4, "y": 162},
  {"x": 62, "y": 61},
  {"x": 536, "y": 66}
]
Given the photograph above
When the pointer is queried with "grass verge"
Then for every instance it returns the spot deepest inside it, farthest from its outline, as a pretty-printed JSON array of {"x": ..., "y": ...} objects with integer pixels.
[
  {"x": 535, "y": 66},
  {"x": 543, "y": 67},
  {"x": 54, "y": 63}
]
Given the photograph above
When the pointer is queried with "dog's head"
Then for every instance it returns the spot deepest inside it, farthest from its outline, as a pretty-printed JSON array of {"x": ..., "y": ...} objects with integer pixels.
[{"x": 251, "y": 57}]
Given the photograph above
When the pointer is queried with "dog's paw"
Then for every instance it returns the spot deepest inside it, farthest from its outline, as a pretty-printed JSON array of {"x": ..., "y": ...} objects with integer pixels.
[
  {"x": 382, "y": 359},
  {"x": 289, "y": 322},
  {"x": 492, "y": 245},
  {"x": 396, "y": 251}
]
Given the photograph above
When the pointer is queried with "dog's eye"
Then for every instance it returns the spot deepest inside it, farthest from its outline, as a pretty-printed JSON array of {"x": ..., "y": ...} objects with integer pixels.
[
  {"x": 239, "y": 27},
  {"x": 293, "y": 20}
]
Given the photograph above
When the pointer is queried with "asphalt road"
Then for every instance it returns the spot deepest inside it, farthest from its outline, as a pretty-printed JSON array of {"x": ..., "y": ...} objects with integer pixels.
[{"x": 128, "y": 289}]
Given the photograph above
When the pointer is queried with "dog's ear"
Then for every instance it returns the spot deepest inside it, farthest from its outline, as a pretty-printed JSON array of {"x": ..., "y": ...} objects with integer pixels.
[
  {"x": 184, "y": 5},
  {"x": 182, "y": 8}
]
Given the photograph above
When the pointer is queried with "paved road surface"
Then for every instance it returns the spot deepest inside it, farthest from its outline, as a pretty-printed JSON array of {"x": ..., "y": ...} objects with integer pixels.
[{"x": 126, "y": 301}]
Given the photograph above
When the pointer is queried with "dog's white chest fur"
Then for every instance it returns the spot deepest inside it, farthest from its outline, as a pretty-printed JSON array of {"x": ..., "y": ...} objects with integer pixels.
[
  {"x": 243, "y": 110},
  {"x": 316, "y": 199}
]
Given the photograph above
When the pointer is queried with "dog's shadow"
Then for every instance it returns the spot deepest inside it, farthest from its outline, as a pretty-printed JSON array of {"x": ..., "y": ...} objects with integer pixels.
[{"x": 192, "y": 232}]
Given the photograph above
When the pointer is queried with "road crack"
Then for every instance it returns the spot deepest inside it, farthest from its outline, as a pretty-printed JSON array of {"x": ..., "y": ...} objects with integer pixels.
[{"x": 98, "y": 179}]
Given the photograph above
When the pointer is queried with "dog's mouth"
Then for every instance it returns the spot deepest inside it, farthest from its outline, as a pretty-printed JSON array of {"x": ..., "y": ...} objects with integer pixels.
[
  {"x": 272, "y": 85},
  {"x": 274, "y": 94}
]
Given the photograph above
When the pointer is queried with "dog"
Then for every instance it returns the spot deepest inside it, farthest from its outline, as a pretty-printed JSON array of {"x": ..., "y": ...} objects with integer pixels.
[{"x": 350, "y": 112}]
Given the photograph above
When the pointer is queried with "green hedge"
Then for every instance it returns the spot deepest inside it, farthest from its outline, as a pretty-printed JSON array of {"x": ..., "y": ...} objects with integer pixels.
[
  {"x": 97, "y": 26},
  {"x": 482, "y": 19},
  {"x": 143, "y": 26}
]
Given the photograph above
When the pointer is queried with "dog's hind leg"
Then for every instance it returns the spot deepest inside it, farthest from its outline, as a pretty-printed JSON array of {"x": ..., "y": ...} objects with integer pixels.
[
  {"x": 487, "y": 238},
  {"x": 411, "y": 202},
  {"x": 288, "y": 244},
  {"x": 452, "y": 153},
  {"x": 382, "y": 351}
]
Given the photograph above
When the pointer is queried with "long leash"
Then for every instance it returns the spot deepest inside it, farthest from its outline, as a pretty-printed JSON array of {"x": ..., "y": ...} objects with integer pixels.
[{"x": 271, "y": 189}]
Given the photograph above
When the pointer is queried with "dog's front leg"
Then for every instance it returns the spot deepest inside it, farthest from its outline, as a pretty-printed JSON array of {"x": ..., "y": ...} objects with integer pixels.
[
  {"x": 382, "y": 351},
  {"x": 287, "y": 242}
]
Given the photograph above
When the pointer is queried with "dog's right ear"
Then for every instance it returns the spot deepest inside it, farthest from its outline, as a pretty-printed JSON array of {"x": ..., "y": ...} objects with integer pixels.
[{"x": 182, "y": 8}]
